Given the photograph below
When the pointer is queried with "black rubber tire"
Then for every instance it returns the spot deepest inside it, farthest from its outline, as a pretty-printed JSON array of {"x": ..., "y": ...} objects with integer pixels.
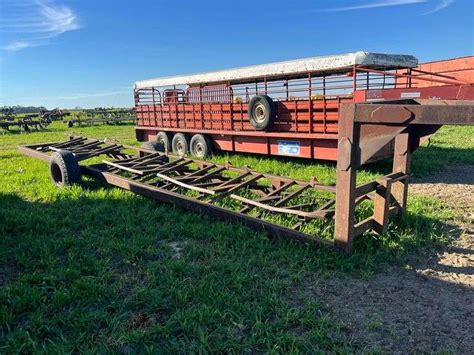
[
  {"x": 200, "y": 146},
  {"x": 154, "y": 146},
  {"x": 64, "y": 168},
  {"x": 261, "y": 111},
  {"x": 165, "y": 140},
  {"x": 180, "y": 144},
  {"x": 24, "y": 127}
]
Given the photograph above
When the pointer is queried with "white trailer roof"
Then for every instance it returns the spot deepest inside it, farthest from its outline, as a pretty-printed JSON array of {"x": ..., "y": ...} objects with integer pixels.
[{"x": 287, "y": 69}]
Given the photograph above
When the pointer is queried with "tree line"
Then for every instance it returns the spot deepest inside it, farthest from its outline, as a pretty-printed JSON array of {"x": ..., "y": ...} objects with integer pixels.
[{"x": 23, "y": 109}]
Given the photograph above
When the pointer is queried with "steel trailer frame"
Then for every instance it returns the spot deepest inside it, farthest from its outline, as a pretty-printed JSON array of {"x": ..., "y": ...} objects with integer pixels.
[{"x": 201, "y": 186}]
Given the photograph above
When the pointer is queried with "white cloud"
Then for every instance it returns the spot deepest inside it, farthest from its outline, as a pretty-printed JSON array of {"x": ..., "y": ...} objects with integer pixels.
[
  {"x": 442, "y": 5},
  {"x": 59, "y": 19},
  {"x": 35, "y": 22},
  {"x": 376, "y": 4},
  {"x": 16, "y": 46}
]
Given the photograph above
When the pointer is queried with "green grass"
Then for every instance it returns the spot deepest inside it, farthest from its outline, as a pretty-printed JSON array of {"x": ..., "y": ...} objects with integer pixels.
[{"x": 92, "y": 268}]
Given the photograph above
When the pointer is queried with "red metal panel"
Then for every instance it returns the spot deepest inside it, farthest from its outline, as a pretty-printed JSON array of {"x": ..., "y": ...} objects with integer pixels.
[
  {"x": 223, "y": 142},
  {"x": 447, "y": 92},
  {"x": 325, "y": 149},
  {"x": 257, "y": 145},
  {"x": 457, "y": 68}
]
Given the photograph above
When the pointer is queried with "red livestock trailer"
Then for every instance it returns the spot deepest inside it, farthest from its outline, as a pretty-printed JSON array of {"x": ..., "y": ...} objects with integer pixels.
[{"x": 289, "y": 108}]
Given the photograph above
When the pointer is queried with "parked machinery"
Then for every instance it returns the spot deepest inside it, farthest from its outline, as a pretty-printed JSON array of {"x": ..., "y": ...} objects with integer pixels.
[{"x": 25, "y": 122}]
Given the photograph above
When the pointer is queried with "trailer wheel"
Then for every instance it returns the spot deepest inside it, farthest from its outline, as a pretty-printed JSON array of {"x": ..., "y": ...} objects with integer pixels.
[
  {"x": 261, "y": 111},
  {"x": 64, "y": 168},
  {"x": 180, "y": 144},
  {"x": 164, "y": 139},
  {"x": 200, "y": 146},
  {"x": 155, "y": 146}
]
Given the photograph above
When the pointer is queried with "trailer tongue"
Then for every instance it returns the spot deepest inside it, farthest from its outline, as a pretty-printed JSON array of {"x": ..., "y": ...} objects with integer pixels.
[{"x": 253, "y": 198}]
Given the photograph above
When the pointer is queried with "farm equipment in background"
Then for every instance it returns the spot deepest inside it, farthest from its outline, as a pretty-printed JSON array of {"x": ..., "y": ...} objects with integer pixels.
[
  {"x": 25, "y": 122},
  {"x": 102, "y": 115},
  {"x": 7, "y": 118},
  {"x": 48, "y": 116}
]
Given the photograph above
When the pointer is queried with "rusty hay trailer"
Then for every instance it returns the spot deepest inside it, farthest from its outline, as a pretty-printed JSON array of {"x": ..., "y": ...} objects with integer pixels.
[
  {"x": 291, "y": 108},
  {"x": 201, "y": 186}
]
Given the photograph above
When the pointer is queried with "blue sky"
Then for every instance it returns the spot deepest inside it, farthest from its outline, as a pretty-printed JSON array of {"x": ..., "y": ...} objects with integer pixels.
[{"x": 88, "y": 53}]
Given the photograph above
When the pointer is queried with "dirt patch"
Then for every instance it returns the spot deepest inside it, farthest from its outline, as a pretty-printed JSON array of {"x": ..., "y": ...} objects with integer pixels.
[
  {"x": 455, "y": 186},
  {"x": 427, "y": 307},
  {"x": 141, "y": 320},
  {"x": 401, "y": 311}
]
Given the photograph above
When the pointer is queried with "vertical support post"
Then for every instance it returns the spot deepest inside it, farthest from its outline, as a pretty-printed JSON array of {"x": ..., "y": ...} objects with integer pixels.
[
  {"x": 201, "y": 107},
  {"x": 382, "y": 201},
  {"x": 173, "y": 103},
  {"x": 310, "y": 108},
  {"x": 347, "y": 164},
  {"x": 324, "y": 104},
  {"x": 354, "y": 84},
  {"x": 154, "y": 107},
  {"x": 401, "y": 163},
  {"x": 231, "y": 106}
]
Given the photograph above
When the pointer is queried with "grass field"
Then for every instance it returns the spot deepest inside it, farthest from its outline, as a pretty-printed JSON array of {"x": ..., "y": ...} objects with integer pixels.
[{"x": 94, "y": 268}]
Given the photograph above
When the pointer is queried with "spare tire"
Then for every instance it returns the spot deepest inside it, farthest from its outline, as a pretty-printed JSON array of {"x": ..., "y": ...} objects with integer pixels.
[
  {"x": 64, "y": 168},
  {"x": 261, "y": 111}
]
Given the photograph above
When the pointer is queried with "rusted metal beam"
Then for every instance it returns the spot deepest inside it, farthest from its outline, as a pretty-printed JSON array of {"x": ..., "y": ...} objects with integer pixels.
[
  {"x": 347, "y": 164},
  {"x": 460, "y": 112}
]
